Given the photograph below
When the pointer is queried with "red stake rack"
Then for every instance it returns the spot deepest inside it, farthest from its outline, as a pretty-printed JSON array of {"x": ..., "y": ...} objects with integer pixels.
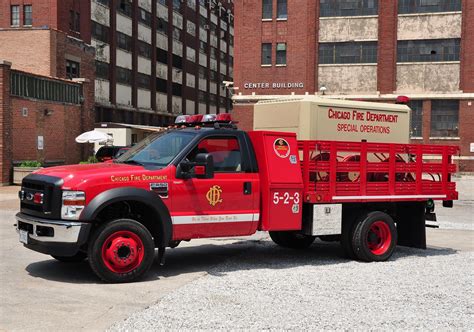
[{"x": 338, "y": 172}]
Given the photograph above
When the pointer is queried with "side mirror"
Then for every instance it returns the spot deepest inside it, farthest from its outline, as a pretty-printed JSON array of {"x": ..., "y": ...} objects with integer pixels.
[{"x": 201, "y": 168}]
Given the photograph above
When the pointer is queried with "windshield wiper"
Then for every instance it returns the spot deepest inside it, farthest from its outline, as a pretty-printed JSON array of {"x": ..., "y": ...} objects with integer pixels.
[{"x": 133, "y": 162}]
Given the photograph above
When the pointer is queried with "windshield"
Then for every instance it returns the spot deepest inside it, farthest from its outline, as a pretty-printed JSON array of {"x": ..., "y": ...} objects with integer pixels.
[{"x": 157, "y": 150}]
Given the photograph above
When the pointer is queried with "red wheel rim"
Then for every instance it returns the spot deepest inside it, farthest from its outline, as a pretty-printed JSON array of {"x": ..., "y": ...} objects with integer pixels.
[
  {"x": 379, "y": 238},
  {"x": 122, "y": 252}
]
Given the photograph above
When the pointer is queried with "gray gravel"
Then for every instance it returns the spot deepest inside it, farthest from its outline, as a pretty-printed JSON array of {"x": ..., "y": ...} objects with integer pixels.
[{"x": 269, "y": 287}]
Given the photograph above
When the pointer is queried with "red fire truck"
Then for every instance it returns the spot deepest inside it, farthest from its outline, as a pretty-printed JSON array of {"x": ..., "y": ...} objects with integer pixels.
[{"x": 203, "y": 181}]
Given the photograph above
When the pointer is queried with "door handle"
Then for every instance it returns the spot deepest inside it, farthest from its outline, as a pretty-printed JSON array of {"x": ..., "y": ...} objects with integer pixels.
[{"x": 247, "y": 188}]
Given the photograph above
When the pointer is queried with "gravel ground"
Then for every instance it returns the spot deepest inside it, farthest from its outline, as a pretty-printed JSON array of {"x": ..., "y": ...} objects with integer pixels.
[{"x": 269, "y": 287}]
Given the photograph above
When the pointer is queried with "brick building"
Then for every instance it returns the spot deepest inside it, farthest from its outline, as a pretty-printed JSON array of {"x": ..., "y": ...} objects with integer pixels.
[
  {"x": 366, "y": 50},
  {"x": 160, "y": 58},
  {"x": 47, "y": 82}
]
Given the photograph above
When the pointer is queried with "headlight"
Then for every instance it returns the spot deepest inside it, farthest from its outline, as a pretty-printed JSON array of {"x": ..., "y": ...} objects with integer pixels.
[{"x": 72, "y": 204}]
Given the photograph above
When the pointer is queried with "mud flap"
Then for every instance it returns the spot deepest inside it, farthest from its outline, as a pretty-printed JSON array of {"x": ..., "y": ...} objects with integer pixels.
[{"x": 411, "y": 224}]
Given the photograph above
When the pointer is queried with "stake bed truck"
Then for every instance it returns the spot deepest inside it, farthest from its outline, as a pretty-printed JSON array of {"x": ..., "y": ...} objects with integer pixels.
[{"x": 195, "y": 181}]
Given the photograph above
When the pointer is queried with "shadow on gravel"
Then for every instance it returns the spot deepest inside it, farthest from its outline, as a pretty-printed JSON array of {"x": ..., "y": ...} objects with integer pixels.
[{"x": 218, "y": 260}]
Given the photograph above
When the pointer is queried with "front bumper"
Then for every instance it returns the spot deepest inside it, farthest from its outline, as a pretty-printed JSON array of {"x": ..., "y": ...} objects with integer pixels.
[{"x": 53, "y": 237}]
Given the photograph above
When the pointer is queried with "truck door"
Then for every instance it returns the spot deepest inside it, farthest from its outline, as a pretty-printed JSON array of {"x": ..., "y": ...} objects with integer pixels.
[{"x": 226, "y": 205}]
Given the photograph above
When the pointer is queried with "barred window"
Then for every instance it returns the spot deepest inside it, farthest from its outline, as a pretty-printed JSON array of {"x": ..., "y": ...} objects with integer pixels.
[
  {"x": 329, "y": 8},
  {"x": 100, "y": 32},
  {"x": 444, "y": 118},
  {"x": 266, "y": 54},
  {"x": 144, "y": 17},
  {"x": 428, "y": 6},
  {"x": 428, "y": 50},
  {"x": 124, "y": 7},
  {"x": 143, "y": 81},
  {"x": 416, "y": 129},
  {"x": 15, "y": 15},
  {"x": 144, "y": 49},
  {"x": 282, "y": 9},
  {"x": 102, "y": 70},
  {"x": 267, "y": 9},
  {"x": 28, "y": 86},
  {"x": 124, "y": 75},
  {"x": 349, "y": 52},
  {"x": 124, "y": 41}
]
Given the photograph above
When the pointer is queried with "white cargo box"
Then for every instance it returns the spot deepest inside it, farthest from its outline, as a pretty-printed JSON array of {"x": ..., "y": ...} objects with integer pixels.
[{"x": 316, "y": 118}]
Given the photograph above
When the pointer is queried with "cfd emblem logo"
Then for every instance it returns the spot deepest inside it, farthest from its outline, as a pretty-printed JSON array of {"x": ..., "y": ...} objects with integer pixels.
[{"x": 214, "y": 195}]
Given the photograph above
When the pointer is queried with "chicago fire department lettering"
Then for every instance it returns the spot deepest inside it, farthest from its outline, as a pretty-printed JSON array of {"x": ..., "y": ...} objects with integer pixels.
[{"x": 214, "y": 195}]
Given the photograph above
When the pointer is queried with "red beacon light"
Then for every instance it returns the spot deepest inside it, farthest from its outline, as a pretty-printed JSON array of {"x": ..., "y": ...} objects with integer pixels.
[
  {"x": 209, "y": 118},
  {"x": 402, "y": 100},
  {"x": 195, "y": 118},
  {"x": 182, "y": 119},
  {"x": 223, "y": 117}
]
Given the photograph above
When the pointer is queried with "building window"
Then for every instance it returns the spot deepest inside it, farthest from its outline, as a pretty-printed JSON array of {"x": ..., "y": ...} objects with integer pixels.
[
  {"x": 176, "y": 34},
  {"x": 102, "y": 70},
  {"x": 72, "y": 69},
  {"x": 330, "y": 8},
  {"x": 213, "y": 76},
  {"x": 281, "y": 53},
  {"x": 163, "y": 2},
  {"x": 176, "y": 5},
  {"x": 416, "y": 129},
  {"x": 144, "y": 49},
  {"x": 143, "y": 81},
  {"x": 103, "y": 2},
  {"x": 177, "y": 61},
  {"x": 161, "y": 85},
  {"x": 282, "y": 9},
  {"x": 27, "y": 15},
  {"x": 267, "y": 9},
  {"x": 444, "y": 118},
  {"x": 15, "y": 15},
  {"x": 74, "y": 21},
  {"x": 428, "y": 50},
  {"x": 266, "y": 54},
  {"x": 161, "y": 56},
  {"x": 162, "y": 26},
  {"x": 124, "y": 75},
  {"x": 124, "y": 7},
  {"x": 202, "y": 97},
  {"x": 100, "y": 32},
  {"x": 350, "y": 52},
  {"x": 428, "y": 6},
  {"x": 124, "y": 42},
  {"x": 203, "y": 72},
  {"x": 176, "y": 89},
  {"x": 213, "y": 52},
  {"x": 144, "y": 17},
  {"x": 192, "y": 4}
]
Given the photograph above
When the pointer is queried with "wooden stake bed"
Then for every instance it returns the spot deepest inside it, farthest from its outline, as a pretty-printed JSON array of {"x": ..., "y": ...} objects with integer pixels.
[{"x": 343, "y": 172}]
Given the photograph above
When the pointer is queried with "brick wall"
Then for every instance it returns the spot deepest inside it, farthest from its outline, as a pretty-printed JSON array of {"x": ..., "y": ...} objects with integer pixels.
[
  {"x": 5, "y": 123},
  {"x": 387, "y": 46},
  {"x": 53, "y": 14},
  {"x": 298, "y": 31},
  {"x": 243, "y": 114},
  {"x": 467, "y": 47}
]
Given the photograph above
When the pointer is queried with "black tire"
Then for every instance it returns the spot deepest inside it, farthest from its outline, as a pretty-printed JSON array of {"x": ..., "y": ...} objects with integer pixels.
[
  {"x": 375, "y": 237},
  {"x": 291, "y": 239},
  {"x": 79, "y": 257},
  {"x": 134, "y": 249},
  {"x": 348, "y": 227}
]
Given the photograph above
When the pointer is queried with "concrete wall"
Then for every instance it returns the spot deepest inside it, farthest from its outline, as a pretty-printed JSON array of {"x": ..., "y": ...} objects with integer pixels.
[
  {"x": 428, "y": 77},
  {"x": 348, "y": 79},
  {"x": 429, "y": 26},
  {"x": 338, "y": 29}
]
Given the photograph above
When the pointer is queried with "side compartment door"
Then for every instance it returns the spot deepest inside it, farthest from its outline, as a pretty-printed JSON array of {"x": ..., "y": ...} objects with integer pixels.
[{"x": 225, "y": 205}]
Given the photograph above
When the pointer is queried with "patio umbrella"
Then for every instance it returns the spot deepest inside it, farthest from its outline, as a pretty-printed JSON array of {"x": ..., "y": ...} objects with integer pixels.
[{"x": 93, "y": 136}]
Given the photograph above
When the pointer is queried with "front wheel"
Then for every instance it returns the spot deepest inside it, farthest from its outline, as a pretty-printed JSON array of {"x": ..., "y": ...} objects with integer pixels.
[
  {"x": 121, "y": 251},
  {"x": 292, "y": 239},
  {"x": 375, "y": 237}
]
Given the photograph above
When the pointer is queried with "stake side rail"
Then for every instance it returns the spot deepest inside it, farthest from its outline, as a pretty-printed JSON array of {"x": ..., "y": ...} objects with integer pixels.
[{"x": 338, "y": 172}]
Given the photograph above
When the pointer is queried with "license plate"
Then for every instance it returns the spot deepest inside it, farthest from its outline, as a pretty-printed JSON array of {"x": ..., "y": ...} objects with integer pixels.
[{"x": 23, "y": 236}]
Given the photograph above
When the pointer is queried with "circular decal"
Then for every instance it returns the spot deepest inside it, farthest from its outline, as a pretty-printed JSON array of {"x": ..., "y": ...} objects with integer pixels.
[{"x": 281, "y": 147}]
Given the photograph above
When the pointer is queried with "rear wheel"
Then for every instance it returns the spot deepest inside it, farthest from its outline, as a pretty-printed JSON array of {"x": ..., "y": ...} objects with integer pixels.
[
  {"x": 79, "y": 257},
  {"x": 121, "y": 251},
  {"x": 291, "y": 239},
  {"x": 375, "y": 237}
]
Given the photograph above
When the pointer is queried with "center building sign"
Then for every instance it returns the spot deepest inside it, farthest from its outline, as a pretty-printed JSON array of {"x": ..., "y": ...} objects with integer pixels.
[{"x": 274, "y": 85}]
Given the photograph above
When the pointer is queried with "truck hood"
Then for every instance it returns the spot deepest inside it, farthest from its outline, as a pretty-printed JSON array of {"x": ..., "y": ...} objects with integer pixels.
[{"x": 74, "y": 175}]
